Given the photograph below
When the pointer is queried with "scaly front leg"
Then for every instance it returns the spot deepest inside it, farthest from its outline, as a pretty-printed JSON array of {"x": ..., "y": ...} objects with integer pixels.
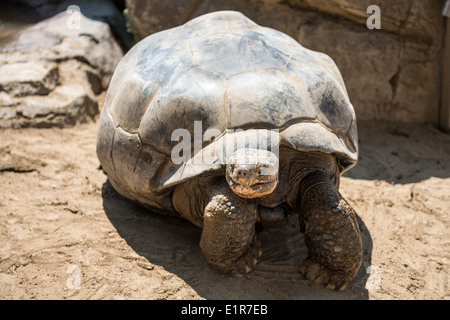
[
  {"x": 331, "y": 233},
  {"x": 228, "y": 239}
]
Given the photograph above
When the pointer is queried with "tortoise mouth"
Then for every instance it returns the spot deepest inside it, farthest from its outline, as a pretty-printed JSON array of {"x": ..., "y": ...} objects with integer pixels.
[{"x": 255, "y": 190}]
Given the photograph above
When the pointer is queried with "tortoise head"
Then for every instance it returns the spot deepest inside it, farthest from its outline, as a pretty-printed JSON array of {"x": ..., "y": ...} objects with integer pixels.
[{"x": 252, "y": 173}]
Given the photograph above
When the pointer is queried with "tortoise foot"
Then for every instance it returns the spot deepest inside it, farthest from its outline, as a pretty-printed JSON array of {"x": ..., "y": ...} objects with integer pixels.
[
  {"x": 248, "y": 260},
  {"x": 324, "y": 276},
  {"x": 228, "y": 238},
  {"x": 331, "y": 234}
]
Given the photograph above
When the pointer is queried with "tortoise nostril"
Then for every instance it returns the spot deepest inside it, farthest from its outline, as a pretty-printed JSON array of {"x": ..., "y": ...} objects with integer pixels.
[{"x": 241, "y": 173}]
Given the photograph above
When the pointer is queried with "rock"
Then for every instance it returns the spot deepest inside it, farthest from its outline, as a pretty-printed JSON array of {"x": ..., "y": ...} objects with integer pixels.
[
  {"x": 148, "y": 17},
  {"x": 28, "y": 78},
  {"x": 391, "y": 74},
  {"x": 377, "y": 70},
  {"x": 53, "y": 73},
  {"x": 415, "y": 18},
  {"x": 108, "y": 11}
]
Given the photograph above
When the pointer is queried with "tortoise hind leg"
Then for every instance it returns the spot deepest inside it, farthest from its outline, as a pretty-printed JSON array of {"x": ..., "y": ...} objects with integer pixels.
[
  {"x": 331, "y": 233},
  {"x": 228, "y": 239}
]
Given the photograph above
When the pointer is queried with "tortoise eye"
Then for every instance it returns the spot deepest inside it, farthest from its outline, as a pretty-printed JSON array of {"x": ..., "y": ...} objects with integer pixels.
[{"x": 263, "y": 170}]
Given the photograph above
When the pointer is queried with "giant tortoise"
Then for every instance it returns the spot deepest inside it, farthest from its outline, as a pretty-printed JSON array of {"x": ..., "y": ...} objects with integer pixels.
[{"x": 227, "y": 123}]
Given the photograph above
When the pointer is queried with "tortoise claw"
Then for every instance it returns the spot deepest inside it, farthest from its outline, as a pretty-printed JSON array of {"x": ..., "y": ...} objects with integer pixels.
[
  {"x": 331, "y": 234},
  {"x": 248, "y": 260},
  {"x": 236, "y": 274},
  {"x": 323, "y": 276}
]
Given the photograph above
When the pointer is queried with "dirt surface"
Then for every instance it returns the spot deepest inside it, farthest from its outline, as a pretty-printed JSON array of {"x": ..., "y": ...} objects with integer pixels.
[{"x": 66, "y": 234}]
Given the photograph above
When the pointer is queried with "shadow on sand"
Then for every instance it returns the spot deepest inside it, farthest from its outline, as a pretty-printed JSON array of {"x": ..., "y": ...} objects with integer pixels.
[{"x": 173, "y": 244}]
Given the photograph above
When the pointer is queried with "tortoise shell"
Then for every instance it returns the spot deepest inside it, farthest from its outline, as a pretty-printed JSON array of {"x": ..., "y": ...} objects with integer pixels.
[{"x": 225, "y": 72}]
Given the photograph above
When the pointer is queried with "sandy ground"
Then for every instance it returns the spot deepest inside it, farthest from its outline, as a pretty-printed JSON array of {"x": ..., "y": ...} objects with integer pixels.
[{"x": 66, "y": 234}]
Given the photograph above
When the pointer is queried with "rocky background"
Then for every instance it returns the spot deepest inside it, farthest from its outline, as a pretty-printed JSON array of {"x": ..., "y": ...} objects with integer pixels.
[
  {"x": 393, "y": 73},
  {"x": 55, "y": 72}
]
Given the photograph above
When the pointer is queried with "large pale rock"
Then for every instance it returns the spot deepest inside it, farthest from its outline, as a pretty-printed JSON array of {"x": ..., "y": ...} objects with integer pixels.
[
  {"x": 53, "y": 73},
  {"x": 391, "y": 74},
  {"x": 28, "y": 78},
  {"x": 109, "y": 11}
]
